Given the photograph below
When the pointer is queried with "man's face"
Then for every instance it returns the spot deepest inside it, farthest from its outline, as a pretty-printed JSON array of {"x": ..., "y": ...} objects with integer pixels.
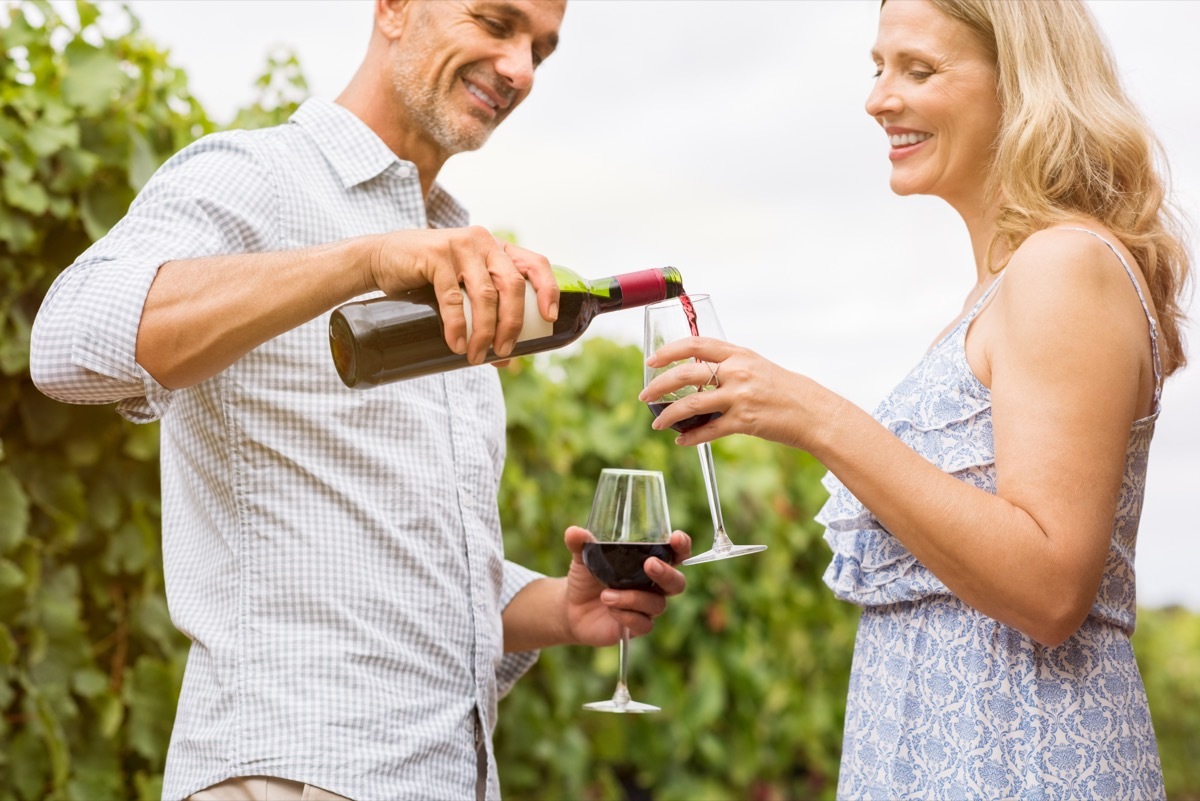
[{"x": 462, "y": 66}]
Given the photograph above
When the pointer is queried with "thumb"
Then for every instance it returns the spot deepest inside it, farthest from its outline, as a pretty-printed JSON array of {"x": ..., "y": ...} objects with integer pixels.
[{"x": 575, "y": 538}]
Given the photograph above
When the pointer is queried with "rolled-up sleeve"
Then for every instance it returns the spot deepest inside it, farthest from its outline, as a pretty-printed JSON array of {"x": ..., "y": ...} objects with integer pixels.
[
  {"x": 215, "y": 197},
  {"x": 513, "y": 666}
]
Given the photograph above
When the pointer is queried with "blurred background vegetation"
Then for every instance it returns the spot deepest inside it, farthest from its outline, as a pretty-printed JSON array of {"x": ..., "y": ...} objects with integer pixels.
[{"x": 750, "y": 665}]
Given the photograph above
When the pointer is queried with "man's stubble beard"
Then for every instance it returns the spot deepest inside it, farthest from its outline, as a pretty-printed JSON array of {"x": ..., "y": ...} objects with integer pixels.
[{"x": 433, "y": 113}]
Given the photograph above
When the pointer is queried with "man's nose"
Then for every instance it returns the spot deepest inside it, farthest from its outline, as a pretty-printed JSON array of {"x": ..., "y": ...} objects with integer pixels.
[{"x": 516, "y": 66}]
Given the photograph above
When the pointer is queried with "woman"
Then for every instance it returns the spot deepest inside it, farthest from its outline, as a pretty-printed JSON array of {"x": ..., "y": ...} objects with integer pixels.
[{"x": 985, "y": 516}]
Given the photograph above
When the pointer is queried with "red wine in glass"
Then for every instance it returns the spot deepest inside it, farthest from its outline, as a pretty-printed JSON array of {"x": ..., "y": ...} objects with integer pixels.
[
  {"x": 688, "y": 423},
  {"x": 658, "y": 407},
  {"x": 663, "y": 325},
  {"x": 621, "y": 565},
  {"x": 629, "y": 523}
]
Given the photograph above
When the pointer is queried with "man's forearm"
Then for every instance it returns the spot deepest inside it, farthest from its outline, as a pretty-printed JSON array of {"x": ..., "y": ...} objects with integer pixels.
[
  {"x": 536, "y": 617},
  {"x": 202, "y": 315}
]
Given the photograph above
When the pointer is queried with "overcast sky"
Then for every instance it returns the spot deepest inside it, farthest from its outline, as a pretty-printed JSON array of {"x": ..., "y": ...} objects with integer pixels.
[{"x": 728, "y": 138}]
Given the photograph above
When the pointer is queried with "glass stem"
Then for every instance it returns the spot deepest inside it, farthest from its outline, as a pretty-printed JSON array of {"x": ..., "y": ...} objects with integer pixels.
[
  {"x": 621, "y": 696},
  {"x": 722, "y": 541}
]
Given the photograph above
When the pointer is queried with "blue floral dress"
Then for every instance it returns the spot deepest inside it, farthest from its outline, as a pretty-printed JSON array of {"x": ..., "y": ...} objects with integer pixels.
[{"x": 947, "y": 703}]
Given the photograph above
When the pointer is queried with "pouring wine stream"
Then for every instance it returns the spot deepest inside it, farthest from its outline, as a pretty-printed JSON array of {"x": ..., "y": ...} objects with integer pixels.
[{"x": 663, "y": 326}]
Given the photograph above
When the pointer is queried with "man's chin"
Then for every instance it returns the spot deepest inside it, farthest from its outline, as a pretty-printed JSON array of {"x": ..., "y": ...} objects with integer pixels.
[{"x": 465, "y": 141}]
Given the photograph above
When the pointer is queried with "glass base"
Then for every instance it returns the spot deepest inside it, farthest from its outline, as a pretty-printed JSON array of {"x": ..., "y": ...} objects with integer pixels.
[
  {"x": 630, "y": 707},
  {"x": 727, "y": 552}
]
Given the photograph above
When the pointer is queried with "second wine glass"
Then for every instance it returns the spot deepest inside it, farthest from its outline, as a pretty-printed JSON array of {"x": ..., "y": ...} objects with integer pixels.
[
  {"x": 629, "y": 522},
  {"x": 687, "y": 316}
]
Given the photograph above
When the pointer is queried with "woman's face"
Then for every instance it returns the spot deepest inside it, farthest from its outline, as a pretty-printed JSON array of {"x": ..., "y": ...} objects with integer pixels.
[{"x": 935, "y": 96}]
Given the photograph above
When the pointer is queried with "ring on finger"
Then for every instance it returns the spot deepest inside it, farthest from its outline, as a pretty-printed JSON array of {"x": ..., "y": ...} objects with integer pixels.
[{"x": 713, "y": 381}]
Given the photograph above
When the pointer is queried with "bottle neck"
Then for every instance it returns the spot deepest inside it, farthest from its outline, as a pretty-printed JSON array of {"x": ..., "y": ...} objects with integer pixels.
[{"x": 641, "y": 288}]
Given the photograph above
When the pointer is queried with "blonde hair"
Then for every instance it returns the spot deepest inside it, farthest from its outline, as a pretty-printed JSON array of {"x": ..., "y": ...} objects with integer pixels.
[{"x": 1072, "y": 143}]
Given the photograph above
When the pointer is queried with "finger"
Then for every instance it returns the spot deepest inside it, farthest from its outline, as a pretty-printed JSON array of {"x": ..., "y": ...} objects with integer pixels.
[
  {"x": 705, "y": 348},
  {"x": 537, "y": 270},
  {"x": 707, "y": 402},
  {"x": 575, "y": 538},
  {"x": 638, "y": 625},
  {"x": 480, "y": 257},
  {"x": 668, "y": 579},
  {"x": 450, "y": 300},
  {"x": 667, "y": 382},
  {"x": 484, "y": 281},
  {"x": 510, "y": 312},
  {"x": 681, "y": 544},
  {"x": 691, "y": 372},
  {"x": 650, "y": 604},
  {"x": 712, "y": 430},
  {"x": 484, "y": 300},
  {"x": 704, "y": 374}
]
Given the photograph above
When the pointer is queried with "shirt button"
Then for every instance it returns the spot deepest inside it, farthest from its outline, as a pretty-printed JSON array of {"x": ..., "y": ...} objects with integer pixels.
[{"x": 467, "y": 497}]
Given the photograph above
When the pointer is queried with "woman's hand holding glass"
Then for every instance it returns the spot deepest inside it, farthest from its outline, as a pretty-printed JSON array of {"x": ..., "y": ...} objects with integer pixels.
[
  {"x": 667, "y": 324},
  {"x": 755, "y": 396}
]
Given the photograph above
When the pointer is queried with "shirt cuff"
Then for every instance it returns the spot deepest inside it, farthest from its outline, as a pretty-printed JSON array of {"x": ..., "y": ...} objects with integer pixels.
[
  {"x": 513, "y": 666},
  {"x": 108, "y": 346}
]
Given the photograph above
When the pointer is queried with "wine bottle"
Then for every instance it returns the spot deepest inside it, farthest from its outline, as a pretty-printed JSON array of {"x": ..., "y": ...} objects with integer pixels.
[{"x": 390, "y": 338}]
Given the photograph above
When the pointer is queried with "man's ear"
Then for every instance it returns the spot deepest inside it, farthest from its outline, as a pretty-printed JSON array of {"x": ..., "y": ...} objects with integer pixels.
[{"x": 391, "y": 16}]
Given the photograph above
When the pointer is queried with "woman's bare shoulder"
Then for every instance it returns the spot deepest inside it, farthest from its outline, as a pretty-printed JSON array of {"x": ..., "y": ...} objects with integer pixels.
[
  {"x": 1067, "y": 288},
  {"x": 1067, "y": 266}
]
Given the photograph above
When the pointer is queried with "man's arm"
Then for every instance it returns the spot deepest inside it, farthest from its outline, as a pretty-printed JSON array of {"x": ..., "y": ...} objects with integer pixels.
[
  {"x": 578, "y": 610},
  {"x": 202, "y": 315},
  {"x": 157, "y": 305}
]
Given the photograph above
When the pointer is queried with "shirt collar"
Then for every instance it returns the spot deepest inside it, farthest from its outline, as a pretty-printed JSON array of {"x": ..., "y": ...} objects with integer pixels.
[{"x": 357, "y": 154}]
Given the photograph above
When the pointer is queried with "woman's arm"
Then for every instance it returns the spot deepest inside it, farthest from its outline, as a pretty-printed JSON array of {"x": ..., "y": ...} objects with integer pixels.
[{"x": 1066, "y": 352}]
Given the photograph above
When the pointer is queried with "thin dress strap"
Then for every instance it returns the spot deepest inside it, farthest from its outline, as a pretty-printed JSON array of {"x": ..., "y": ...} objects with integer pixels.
[
  {"x": 987, "y": 293},
  {"x": 1145, "y": 307}
]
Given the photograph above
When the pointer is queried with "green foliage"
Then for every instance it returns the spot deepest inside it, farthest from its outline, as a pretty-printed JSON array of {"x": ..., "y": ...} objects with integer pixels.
[
  {"x": 86, "y": 647},
  {"x": 279, "y": 91},
  {"x": 82, "y": 127},
  {"x": 1167, "y": 645},
  {"x": 750, "y": 664},
  {"x": 90, "y": 664}
]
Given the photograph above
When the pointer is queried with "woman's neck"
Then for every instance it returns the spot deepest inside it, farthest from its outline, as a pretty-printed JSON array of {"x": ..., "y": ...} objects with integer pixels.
[{"x": 982, "y": 228}]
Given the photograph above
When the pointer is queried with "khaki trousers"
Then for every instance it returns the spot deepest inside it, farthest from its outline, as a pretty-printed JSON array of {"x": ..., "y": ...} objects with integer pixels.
[{"x": 263, "y": 788}]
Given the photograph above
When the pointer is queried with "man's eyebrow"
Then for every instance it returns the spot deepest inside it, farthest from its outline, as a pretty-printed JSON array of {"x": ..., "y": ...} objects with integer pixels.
[{"x": 511, "y": 11}]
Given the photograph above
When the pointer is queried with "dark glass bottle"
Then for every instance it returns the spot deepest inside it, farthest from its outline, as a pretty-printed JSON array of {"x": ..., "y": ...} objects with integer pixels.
[{"x": 390, "y": 338}]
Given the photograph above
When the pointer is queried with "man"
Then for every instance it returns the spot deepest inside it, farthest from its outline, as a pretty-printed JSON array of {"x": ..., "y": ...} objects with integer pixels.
[{"x": 335, "y": 556}]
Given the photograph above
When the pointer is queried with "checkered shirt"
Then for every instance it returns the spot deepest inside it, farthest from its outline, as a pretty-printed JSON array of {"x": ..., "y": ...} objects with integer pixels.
[{"x": 333, "y": 554}]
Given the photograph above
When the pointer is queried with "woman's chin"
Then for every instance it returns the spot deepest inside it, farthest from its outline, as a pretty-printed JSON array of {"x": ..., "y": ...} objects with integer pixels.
[{"x": 902, "y": 186}]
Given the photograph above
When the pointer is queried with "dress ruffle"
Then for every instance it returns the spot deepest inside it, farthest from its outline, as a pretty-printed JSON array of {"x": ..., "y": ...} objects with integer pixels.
[
  {"x": 948, "y": 420},
  {"x": 870, "y": 567},
  {"x": 946, "y": 702},
  {"x": 944, "y": 413}
]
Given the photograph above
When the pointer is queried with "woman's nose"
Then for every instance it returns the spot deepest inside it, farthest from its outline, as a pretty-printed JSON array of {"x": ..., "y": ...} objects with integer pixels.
[{"x": 883, "y": 100}]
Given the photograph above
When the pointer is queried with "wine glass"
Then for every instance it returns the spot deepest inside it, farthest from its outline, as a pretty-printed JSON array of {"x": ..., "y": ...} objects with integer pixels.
[
  {"x": 630, "y": 524},
  {"x": 691, "y": 315}
]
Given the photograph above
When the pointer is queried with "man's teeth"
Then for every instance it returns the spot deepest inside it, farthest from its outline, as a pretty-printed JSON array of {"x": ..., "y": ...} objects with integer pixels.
[
  {"x": 481, "y": 95},
  {"x": 900, "y": 140}
]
